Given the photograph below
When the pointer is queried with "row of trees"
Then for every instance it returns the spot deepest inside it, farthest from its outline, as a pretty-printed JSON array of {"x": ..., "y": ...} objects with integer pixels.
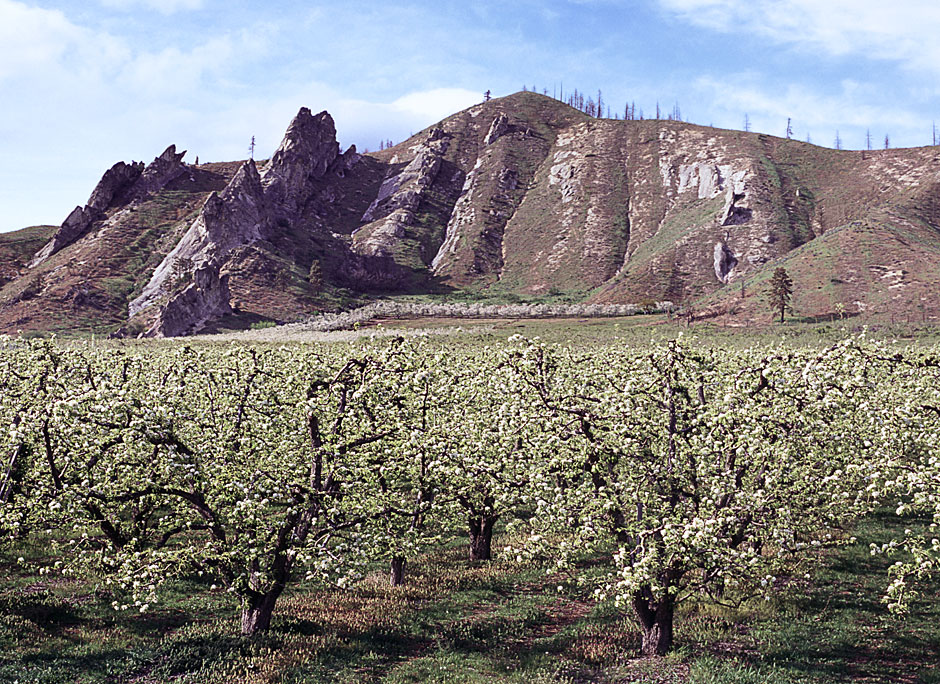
[
  {"x": 346, "y": 320},
  {"x": 601, "y": 109},
  {"x": 692, "y": 470}
]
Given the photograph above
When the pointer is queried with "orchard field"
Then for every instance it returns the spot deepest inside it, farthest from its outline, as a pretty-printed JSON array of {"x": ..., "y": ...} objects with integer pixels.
[{"x": 562, "y": 505}]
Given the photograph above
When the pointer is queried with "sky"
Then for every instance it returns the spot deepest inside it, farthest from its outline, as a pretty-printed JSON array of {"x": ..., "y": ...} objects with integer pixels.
[{"x": 87, "y": 83}]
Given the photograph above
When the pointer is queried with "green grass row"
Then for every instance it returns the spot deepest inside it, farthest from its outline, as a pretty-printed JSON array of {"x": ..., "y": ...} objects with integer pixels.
[{"x": 470, "y": 623}]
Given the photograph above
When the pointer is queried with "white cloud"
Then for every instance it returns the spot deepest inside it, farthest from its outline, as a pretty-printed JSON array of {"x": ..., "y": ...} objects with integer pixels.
[
  {"x": 77, "y": 99},
  {"x": 435, "y": 104},
  {"x": 173, "y": 71},
  {"x": 848, "y": 110},
  {"x": 162, "y": 6},
  {"x": 34, "y": 41},
  {"x": 904, "y": 31}
]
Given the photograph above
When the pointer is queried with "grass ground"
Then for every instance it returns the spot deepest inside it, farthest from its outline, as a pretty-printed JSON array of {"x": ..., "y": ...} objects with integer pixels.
[{"x": 468, "y": 623}]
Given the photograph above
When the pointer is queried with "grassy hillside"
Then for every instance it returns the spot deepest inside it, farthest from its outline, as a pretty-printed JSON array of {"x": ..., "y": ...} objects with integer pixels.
[
  {"x": 534, "y": 199},
  {"x": 18, "y": 247}
]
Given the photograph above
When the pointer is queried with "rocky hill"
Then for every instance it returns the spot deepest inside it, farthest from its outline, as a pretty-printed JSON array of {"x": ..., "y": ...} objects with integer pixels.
[{"x": 521, "y": 196}]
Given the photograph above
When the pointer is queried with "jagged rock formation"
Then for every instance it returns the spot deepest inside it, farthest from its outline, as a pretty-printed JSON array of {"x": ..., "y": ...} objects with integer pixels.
[
  {"x": 725, "y": 261},
  {"x": 121, "y": 184},
  {"x": 227, "y": 220},
  {"x": 249, "y": 210},
  {"x": 498, "y": 129},
  {"x": 521, "y": 195},
  {"x": 114, "y": 183},
  {"x": 159, "y": 173},
  {"x": 206, "y": 297},
  {"x": 305, "y": 154}
]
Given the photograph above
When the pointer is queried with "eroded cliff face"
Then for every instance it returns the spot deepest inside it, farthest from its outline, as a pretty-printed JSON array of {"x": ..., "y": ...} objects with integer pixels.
[
  {"x": 392, "y": 220},
  {"x": 517, "y": 195}
]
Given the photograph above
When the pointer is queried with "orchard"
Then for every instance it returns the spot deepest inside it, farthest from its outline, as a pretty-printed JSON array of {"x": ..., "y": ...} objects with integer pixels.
[{"x": 693, "y": 471}]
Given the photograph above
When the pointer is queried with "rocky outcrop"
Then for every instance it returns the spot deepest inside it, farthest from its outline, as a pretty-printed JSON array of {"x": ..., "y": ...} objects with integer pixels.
[
  {"x": 227, "y": 220},
  {"x": 737, "y": 210},
  {"x": 308, "y": 149},
  {"x": 205, "y": 298},
  {"x": 111, "y": 189},
  {"x": 565, "y": 171},
  {"x": 498, "y": 129},
  {"x": 120, "y": 185},
  {"x": 487, "y": 238},
  {"x": 75, "y": 226},
  {"x": 463, "y": 216},
  {"x": 523, "y": 195},
  {"x": 399, "y": 198},
  {"x": 113, "y": 184},
  {"x": 724, "y": 261},
  {"x": 250, "y": 209},
  {"x": 706, "y": 178},
  {"x": 159, "y": 173},
  {"x": 345, "y": 162}
]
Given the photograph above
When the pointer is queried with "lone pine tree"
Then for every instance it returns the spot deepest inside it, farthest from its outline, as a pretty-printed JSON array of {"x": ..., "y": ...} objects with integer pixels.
[{"x": 781, "y": 288}]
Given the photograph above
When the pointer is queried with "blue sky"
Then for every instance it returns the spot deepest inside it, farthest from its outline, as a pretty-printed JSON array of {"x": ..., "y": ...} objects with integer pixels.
[{"x": 86, "y": 83}]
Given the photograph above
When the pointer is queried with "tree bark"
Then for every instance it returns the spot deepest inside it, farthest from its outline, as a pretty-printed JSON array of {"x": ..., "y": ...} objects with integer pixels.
[
  {"x": 656, "y": 622},
  {"x": 257, "y": 610},
  {"x": 481, "y": 536},
  {"x": 397, "y": 575}
]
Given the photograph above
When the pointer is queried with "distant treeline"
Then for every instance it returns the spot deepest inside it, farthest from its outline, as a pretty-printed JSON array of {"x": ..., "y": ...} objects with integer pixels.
[{"x": 601, "y": 109}]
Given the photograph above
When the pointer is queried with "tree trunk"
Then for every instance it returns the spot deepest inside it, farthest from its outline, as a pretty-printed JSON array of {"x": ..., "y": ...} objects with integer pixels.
[
  {"x": 481, "y": 536},
  {"x": 257, "y": 610},
  {"x": 397, "y": 576},
  {"x": 656, "y": 622}
]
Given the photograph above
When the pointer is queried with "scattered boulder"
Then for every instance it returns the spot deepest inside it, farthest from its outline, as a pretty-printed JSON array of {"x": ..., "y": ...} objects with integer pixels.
[
  {"x": 725, "y": 261},
  {"x": 498, "y": 129}
]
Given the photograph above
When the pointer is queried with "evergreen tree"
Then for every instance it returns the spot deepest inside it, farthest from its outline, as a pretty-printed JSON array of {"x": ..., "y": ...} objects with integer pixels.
[
  {"x": 781, "y": 289},
  {"x": 315, "y": 276}
]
